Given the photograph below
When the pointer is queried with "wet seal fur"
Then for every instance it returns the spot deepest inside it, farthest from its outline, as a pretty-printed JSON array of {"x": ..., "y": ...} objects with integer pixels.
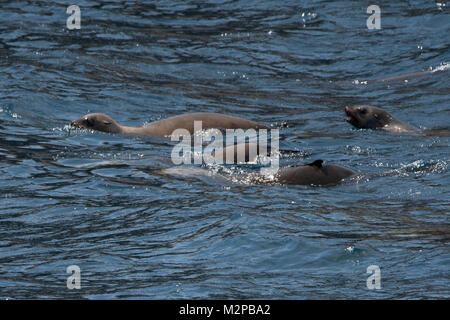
[
  {"x": 165, "y": 127},
  {"x": 314, "y": 174},
  {"x": 368, "y": 117},
  {"x": 311, "y": 174}
]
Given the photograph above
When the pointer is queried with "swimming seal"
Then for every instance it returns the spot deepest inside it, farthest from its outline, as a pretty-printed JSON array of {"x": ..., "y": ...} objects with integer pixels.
[
  {"x": 367, "y": 117},
  {"x": 408, "y": 76},
  {"x": 312, "y": 174},
  {"x": 315, "y": 174},
  {"x": 402, "y": 77},
  {"x": 165, "y": 127}
]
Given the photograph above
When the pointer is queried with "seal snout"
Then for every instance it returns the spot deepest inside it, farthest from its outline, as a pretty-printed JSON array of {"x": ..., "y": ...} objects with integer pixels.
[
  {"x": 351, "y": 110},
  {"x": 75, "y": 124},
  {"x": 81, "y": 123},
  {"x": 349, "y": 113}
]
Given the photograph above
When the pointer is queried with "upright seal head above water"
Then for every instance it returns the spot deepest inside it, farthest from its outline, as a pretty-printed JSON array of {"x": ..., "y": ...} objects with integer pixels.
[
  {"x": 367, "y": 117},
  {"x": 165, "y": 127}
]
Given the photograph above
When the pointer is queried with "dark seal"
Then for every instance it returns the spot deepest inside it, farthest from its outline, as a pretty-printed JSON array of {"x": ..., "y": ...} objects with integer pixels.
[
  {"x": 314, "y": 174},
  {"x": 367, "y": 117}
]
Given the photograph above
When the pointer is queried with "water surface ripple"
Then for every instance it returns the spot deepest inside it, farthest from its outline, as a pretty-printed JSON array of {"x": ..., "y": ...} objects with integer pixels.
[{"x": 104, "y": 202}]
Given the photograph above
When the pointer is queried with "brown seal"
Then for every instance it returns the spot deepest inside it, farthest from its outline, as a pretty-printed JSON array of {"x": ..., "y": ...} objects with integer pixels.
[
  {"x": 314, "y": 174},
  {"x": 367, "y": 117},
  {"x": 165, "y": 127}
]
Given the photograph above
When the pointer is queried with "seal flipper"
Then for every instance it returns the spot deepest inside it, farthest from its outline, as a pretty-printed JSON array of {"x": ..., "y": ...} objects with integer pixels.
[{"x": 317, "y": 164}]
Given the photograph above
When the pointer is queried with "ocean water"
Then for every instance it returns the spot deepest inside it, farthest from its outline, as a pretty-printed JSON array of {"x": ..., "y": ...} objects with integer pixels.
[{"x": 109, "y": 205}]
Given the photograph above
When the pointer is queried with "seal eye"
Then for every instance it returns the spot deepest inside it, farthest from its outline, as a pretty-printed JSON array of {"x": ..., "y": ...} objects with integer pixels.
[{"x": 363, "y": 111}]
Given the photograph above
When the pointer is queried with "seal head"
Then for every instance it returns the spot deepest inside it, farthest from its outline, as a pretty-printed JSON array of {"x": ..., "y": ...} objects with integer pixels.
[
  {"x": 367, "y": 117},
  {"x": 97, "y": 121}
]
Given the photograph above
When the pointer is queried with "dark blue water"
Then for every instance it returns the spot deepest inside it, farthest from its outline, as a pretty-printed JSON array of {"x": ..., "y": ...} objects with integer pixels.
[{"x": 106, "y": 204}]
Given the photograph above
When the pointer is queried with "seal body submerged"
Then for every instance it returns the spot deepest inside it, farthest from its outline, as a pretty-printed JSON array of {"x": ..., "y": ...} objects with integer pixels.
[
  {"x": 368, "y": 117},
  {"x": 314, "y": 173},
  {"x": 165, "y": 127}
]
